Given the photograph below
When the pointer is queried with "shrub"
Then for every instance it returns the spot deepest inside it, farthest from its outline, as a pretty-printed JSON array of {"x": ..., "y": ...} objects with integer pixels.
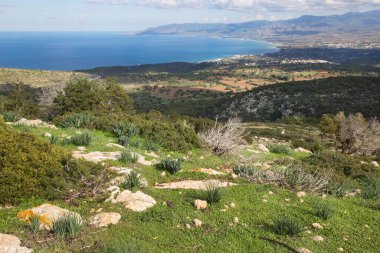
[
  {"x": 136, "y": 143},
  {"x": 53, "y": 139},
  {"x": 119, "y": 247},
  {"x": 10, "y": 116},
  {"x": 173, "y": 166},
  {"x": 83, "y": 139},
  {"x": 247, "y": 171},
  {"x": 120, "y": 130},
  {"x": 35, "y": 224},
  {"x": 152, "y": 146},
  {"x": 339, "y": 189},
  {"x": 324, "y": 210},
  {"x": 371, "y": 188},
  {"x": 284, "y": 225},
  {"x": 213, "y": 193},
  {"x": 133, "y": 181},
  {"x": 76, "y": 120},
  {"x": 68, "y": 226},
  {"x": 128, "y": 157},
  {"x": 279, "y": 149},
  {"x": 123, "y": 140},
  {"x": 297, "y": 179}
]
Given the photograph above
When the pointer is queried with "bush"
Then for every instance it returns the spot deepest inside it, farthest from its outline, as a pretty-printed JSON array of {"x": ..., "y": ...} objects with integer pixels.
[
  {"x": 152, "y": 146},
  {"x": 173, "y": 166},
  {"x": 76, "y": 120},
  {"x": 339, "y": 189},
  {"x": 53, "y": 139},
  {"x": 83, "y": 139},
  {"x": 128, "y": 157},
  {"x": 279, "y": 149},
  {"x": 68, "y": 226},
  {"x": 10, "y": 116},
  {"x": 35, "y": 223},
  {"x": 247, "y": 171},
  {"x": 133, "y": 181},
  {"x": 119, "y": 247},
  {"x": 371, "y": 188},
  {"x": 123, "y": 140},
  {"x": 284, "y": 225},
  {"x": 324, "y": 210},
  {"x": 213, "y": 193}
]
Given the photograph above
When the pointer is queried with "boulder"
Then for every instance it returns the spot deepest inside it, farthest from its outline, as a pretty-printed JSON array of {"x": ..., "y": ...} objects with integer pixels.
[
  {"x": 374, "y": 163},
  {"x": 318, "y": 238},
  {"x": 263, "y": 148},
  {"x": 121, "y": 170},
  {"x": 114, "y": 145},
  {"x": 32, "y": 123},
  {"x": 303, "y": 250},
  {"x": 105, "y": 219},
  {"x": 192, "y": 184},
  {"x": 47, "y": 214},
  {"x": 301, "y": 194},
  {"x": 209, "y": 171},
  {"x": 11, "y": 244},
  {"x": 136, "y": 202},
  {"x": 317, "y": 226},
  {"x": 97, "y": 156},
  {"x": 200, "y": 204},
  {"x": 113, "y": 191},
  {"x": 303, "y": 150},
  {"x": 197, "y": 223}
]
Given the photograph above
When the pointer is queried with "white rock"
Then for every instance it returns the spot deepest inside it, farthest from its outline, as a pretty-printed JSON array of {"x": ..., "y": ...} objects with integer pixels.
[
  {"x": 317, "y": 226},
  {"x": 188, "y": 226},
  {"x": 232, "y": 205},
  {"x": 236, "y": 220},
  {"x": 47, "y": 135},
  {"x": 97, "y": 156},
  {"x": 202, "y": 157},
  {"x": 209, "y": 171},
  {"x": 303, "y": 150},
  {"x": 137, "y": 201},
  {"x": 301, "y": 194},
  {"x": 197, "y": 223},
  {"x": 105, "y": 219},
  {"x": 114, "y": 145},
  {"x": 318, "y": 238},
  {"x": 11, "y": 244},
  {"x": 234, "y": 176},
  {"x": 163, "y": 174},
  {"x": 121, "y": 170},
  {"x": 270, "y": 193},
  {"x": 374, "y": 163},
  {"x": 303, "y": 250},
  {"x": 81, "y": 149},
  {"x": 50, "y": 213},
  {"x": 192, "y": 184},
  {"x": 340, "y": 249},
  {"x": 32, "y": 123},
  {"x": 200, "y": 204},
  {"x": 114, "y": 191},
  {"x": 263, "y": 148}
]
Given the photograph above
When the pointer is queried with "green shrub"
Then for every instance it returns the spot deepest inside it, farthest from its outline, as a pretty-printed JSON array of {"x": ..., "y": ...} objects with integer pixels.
[
  {"x": 284, "y": 225},
  {"x": 213, "y": 193},
  {"x": 133, "y": 181},
  {"x": 152, "y": 146},
  {"x": 68, "y": 226},
  {"x": 119, "y": 247},
  {"x": 123, "y": 140},
  {"x": 339, "y": 189},
  {"x": 83, "y": 139},
  {"x": 35, "y": 224},
  {"x": 245, "y": 170},
  {"x": 10, "y": 116},
  {"x": 136, "y": 142},
  {"x": 120, "y": 130},
  {"x": 173, "y": 166},
  {"x": 53, "y": 139},
  {"x": 76, "y": 120},
  {"x": 324, "y": 210},
  {"x": 279, "y": 149},
  {"x": 128, "y": 157},
  {"x": 371, "y": 188}
]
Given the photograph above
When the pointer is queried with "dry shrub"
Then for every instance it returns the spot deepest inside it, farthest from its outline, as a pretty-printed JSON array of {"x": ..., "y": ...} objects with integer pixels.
[{"x": 224, "y": 138}]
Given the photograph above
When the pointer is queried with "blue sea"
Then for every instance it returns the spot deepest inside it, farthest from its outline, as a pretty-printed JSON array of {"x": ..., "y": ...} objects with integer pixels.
[{"x": 74, "y": 50}]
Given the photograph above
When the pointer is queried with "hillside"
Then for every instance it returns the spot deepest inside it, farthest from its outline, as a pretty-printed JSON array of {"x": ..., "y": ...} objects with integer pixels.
[
  {"x": 355, "y": 28},
  {"x": 309, "y": 98}
]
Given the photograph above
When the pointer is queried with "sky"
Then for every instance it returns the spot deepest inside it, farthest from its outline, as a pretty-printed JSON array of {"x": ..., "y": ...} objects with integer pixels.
[{"x": 137, "y": 15}]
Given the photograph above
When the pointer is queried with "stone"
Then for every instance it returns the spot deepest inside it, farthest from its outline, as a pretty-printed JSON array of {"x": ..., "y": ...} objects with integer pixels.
[
  {"x": 202, "y": 157},
  {"x": 97, "y": 156},
  {"x": 374, "y": 163},
  {"x": 82, "y": 149},
  {"x": 12, "y": 244},
  {"x": 287, "y": 200},
  {"x": 270, "y": 193},
  {"x": 318, "y": 238},
  {"x": 32, "y": 123},
  {"x": 308, "y": 232},
  {"x": 163, "y": 174},
  {"x": 48, "y": 215},
  {"x": 209, "y": 171},
  {"x": 303, "y": 150},
  {"x": 136, "y": 202},
  {"x": 317, "y": 226},
  {"x": 197, "y": 223},
  {"x": 121, "y": 170},
  {"x": 200, "y": 204},
  {"x": 303, "y": 250},
  {"x": 113, "y": 191},
  {"x": 265, "y": 200},
  {"x": 265, "y": 166},
  {"x": 301, "y": 194},
  {"x": 47, "y": 135},
  {"x": 236, "y": 220},
  {"x": 192, "y": 184},
  {"x": 188, "y": 226},
  {"x": 340, "y": 249},
  {"x": 105, "y": 219},
  {"x": 234, "y": 176},
  {"x": 232, "y": 205},
  {"x": 263, "y": 148},
  {"x": 114, "y": 145}
]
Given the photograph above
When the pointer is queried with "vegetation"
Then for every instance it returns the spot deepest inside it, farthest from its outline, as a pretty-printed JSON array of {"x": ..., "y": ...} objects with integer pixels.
[
  {"x": 284, "y": 225},
  {"x": 128, "y": 157},
  {"x": 133, "y": 181},
  {"x": 213, "y": 193},
  {"x": 173, "y": 166},
  {"x": 324, "y": 210},
  {"x": 68, "y": 226}
]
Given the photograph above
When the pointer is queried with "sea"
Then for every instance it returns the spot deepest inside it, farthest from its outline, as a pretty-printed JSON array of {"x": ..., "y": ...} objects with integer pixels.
[{"x": 85, "y": 50}]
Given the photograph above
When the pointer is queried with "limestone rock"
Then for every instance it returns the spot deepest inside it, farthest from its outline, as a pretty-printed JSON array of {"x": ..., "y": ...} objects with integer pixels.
[
  {"x": 192, "y": 184},
  {"x": 200, "y": 204},
  {"x": 48, "y": 214},
  {"x": 301, "y": 194},
  {"x": 317, "y": 226},
  {"x": 114, "y": 191},
  {"x": 121, "y": 170},
  {"x": 263, "y": 148},
  {"x": 197, "y": 223},
  {"x": 32, "y": 123},
  {"x": 232, "y": 205},
  {"x": 236, "y": 220},
  {"x": 47, "y": 135},
  {"x": 374, "y": 163},
  {"x": 114, "y": 145},
  {"x": 209, "y": 171},
  {"x": 318, "y": 238},
  {"x": 303, "y": 150},
  {"x": 340, "y": 249},
  {"x": 105, "y": 219},
  {"x": 97, "y": 156},
  {"x": 303, "y": 250},
  {"x": 137, "y": 201},
  {"x": 11, "y": 244}
]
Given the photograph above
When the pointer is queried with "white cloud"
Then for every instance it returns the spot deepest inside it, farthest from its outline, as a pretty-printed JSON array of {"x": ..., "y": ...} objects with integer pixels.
[{"x": 113, "y": 2}]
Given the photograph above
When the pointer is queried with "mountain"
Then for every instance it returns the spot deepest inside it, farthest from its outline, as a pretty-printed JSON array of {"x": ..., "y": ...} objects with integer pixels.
[{"x": 354, "y": 27}]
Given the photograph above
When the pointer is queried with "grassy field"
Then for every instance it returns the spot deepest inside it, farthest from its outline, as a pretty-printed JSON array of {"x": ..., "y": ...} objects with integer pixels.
[{"x": 162, "y": 228}]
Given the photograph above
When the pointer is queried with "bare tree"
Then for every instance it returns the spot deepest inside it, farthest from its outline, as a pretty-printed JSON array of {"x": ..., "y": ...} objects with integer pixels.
[{"x": 224, "y": 138}]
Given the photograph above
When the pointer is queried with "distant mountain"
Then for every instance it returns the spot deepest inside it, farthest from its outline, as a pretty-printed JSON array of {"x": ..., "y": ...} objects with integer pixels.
[{"x": 350, "y": 28}]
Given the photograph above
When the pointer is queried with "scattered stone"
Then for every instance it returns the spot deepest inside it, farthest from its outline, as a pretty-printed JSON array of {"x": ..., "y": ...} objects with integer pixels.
[
  {"x": 340, "y": 249},
  {"x": 137, "y": 201},
  {"x": 345, "y": 238},
  {"x": 324, "y": 196},
  {"x": 301, "y": 201},
  {"x": 232, "y": 205},
  {"x": 234, "y": 176},
  {"x": 202, "y": 157},
  {"x": 48, "y": 215},
  {"x": 47, "y": 135},
  {"x": 82, "y": 149},
  {"x": 303, "y": 150},
  {"x": 287, "y": 200},
  {"x": 209, "y": 171},
  {"x": 105, "y": 219},
  {"x": 32, "y": 123},
  {"x": 301, "y": 194},
  {"x": 265, "y": 166},
  {"x": 265, "y": 200},
  {"x": 192, "y": 184},
  {"x": 121, "y": 170},
  {"x": 263, "y": 148},
  {"x": 114, "y": 191},
  {"x": 188, "y": 226},
  {"x": 197, "y": 223},
  {"x": 114, "y": 145},
  {"x": 374, "y": 163},
  {"x": 318, "y": 238},
  {"x": 304, "y": 250},
  {"x": 200, "y": 204},
  {"x": 11, "y": 244},
  {"x": 270, "y": 193},
  {"x": 317, "y": 226},
  {"x": 143, "y": 161},
  {"x": 152, "y": 154},
  {"x": 223, "y": 210},
  {"x": 366, "y": 226},
  {"x": 308, "y": 232},
  {"x": 97, "y": 156},
  {"x": 163, "y": 174},
  {"x": 236, "y": 220},
  {"x": 99, "y": 210},
  {"x": 226, "y": 207}
]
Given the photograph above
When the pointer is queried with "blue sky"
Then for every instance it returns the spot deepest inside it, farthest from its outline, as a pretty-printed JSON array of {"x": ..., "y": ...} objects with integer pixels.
[{"x": 135, "y": 15}]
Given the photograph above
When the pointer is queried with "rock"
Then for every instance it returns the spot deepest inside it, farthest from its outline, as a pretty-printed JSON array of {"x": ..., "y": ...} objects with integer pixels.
[
  {"x": 270, "y": 193},
  {"x": 121, "y": 170},
  {"x": 137, "y": 201},
  {"x": 48, "y": 214},
  {"x": 200, "y": 204},
  {"x": 236, "y": 220},
  {"x": 114, "y": 145},
  {"x": 265, "y": 166},
  {"x": 232, "y": 205},
  {"x": 163, "y": 174},
  {"x": 202, "y": 157},
  {"x": 105, "y": 219},
  {"x": 287, "y": 200},
  {"x": 11, "y": 244},
  {"x": 340, "y": 249},
  {"x": 263, "y": 148},
  {"x": 82, "y": 149},
  {"x": 209, "y": 171},
  {"x": 32, "y": 123},
  {"x": 301, "y": 201},
  {"x": 265, "y": 200},
  {"x": 192, "y": 184},
  {"x": 188, "y": 226},
  {"x": 318, "y": 238},
  {"x": 301, "y": 194},
  {"x": 303, "y": 150},
  {"x": 303, "y": 250},
  {"x": 114, "y": 191},
  {"x": 152, "y": 154},
  {"x": 197, "y": 223},
  {"x": 374, "y": 163},
  {"x": 308, "y": 232},
  {"x": 317, "y": 226},
  {"x": 97, "y": 156},
  {"x": 47, "y": 135}
]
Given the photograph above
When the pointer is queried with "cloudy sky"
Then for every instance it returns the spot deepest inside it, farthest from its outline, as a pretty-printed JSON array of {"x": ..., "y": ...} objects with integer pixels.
[{"x": 135, "y": 15}]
